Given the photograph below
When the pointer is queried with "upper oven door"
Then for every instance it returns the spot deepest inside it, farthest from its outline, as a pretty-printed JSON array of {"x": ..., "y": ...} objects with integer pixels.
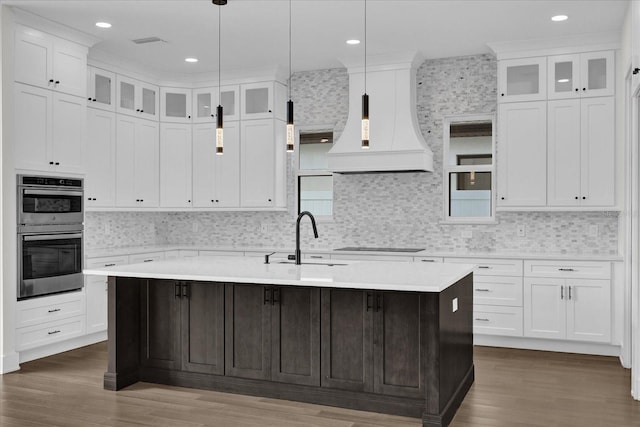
[
  {"x": 38, "y": 206},
  {"x": 49, "y": 263}
]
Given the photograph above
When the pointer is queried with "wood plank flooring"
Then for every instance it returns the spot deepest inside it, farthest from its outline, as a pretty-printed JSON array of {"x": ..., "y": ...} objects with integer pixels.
[{"x": 513, "y": 388}]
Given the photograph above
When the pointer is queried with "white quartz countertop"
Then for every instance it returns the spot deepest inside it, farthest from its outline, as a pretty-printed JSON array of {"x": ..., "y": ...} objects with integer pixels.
[{"x": 397, "y": 276}]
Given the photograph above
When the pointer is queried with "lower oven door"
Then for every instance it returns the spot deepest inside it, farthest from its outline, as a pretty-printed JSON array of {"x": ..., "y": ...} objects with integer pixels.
[{"x": 49, "y": 263}]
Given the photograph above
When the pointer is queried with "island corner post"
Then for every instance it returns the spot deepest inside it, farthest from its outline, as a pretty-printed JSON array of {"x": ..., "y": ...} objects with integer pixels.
[{"x": 444, "y": 334}]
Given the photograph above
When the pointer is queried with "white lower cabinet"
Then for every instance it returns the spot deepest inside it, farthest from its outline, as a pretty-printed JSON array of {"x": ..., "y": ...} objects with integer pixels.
[
  {"x": 46, "y": 320},
  {"x": 574, "y": 308},
  {"x": 137, "y": 162},
  {"x": 96, "y": 290},
  {"x": 497, "y": 295}
]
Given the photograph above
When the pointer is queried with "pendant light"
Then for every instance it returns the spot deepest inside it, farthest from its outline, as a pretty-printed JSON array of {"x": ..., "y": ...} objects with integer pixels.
[
  {"x": 219, "y": 112},
  {"x": 290, "y": 131},
  {"x": 365, "y": 97}
]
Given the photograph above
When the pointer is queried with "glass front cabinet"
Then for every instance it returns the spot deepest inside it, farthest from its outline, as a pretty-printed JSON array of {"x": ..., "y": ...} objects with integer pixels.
[
  {"x": 205, "y": 101},
  {"x": 136, "y": 98},
  {"x": 581, "y": 75},
  {"x": 522, "y": 79},
  {"x": 101, "y": 89},
  {"x": 175, "y": 105}
]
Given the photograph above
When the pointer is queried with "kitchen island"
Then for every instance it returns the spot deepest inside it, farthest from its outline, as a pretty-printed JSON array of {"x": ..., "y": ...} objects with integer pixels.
[{"x": 385, "y": 337}]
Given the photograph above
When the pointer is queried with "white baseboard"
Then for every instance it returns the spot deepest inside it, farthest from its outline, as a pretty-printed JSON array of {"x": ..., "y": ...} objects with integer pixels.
[
  {"x": 547, "y": 345},
  {"x": 62, "y": 346},
  {"x": 9, "y": 363}
]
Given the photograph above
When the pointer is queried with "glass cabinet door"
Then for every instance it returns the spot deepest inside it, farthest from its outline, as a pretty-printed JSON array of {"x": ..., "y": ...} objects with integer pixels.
[
  {"x": 564, "y": 76},
  {"x": 204, "y": 108},
  {"x": 149, "y": 104},
  {"x": 127, "y": 92},
  {"x": 102, "y": 89},
  {"x": 257, "y": 100},
  {"x": 522, "y": 79},
  {"x": 596, "y": 73},
  {"x": 230, "y": 97},
  {"x": 176, "y": 105}
]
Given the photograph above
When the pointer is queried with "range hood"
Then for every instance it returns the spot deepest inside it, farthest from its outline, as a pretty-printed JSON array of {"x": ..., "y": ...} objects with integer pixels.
[{"x": 396, "y": 144}]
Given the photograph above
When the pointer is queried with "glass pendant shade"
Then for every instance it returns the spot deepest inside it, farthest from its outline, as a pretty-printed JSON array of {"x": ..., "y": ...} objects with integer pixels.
[
  {"x": 219, "y": 132},
  {"x": 290, "y": 131},
  {"x": 365, "y": 121}
]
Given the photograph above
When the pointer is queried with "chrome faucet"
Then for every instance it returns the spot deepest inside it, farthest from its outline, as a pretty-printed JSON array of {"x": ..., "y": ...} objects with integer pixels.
[{"x": 298, "y": 255}]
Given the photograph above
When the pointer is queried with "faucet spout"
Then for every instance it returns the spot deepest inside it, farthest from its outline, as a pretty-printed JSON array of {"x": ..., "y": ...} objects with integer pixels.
[{"x": 315, "y": 233}]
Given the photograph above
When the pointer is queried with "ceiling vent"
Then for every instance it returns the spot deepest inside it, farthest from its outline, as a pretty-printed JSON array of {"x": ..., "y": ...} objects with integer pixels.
[{"x": 146, "y": 40}]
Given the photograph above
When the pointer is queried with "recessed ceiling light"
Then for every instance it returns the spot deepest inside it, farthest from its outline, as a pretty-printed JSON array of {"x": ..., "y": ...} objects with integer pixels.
[
  {"x": 353, "y": 41},
  {"x": 190, "y": 59},
  {"x": 559, "y": 18},
  {"x": 103, "y": 25}
]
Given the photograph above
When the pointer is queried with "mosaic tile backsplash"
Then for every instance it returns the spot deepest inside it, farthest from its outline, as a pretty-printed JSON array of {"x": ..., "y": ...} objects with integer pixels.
[{"x": 385, "y": 210}]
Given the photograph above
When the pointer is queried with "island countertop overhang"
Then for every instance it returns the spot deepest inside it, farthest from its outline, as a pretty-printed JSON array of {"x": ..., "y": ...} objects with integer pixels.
[{"x": 397, "y": 276}]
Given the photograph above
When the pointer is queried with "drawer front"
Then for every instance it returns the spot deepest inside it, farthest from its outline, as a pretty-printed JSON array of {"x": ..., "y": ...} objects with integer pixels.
[
  {"x": 491, "y": 267},
  {"x": 106, "y": 261},
  {"x": 427, "y": 259},
  {"x": 497, "y": 320},
  {"x": 44, "y": 310},
  {"x": 180, "y": 253},
  {"x": 220, "y": 253},
  {"x": 39, "y": 335},
  {"x": 147, "y": 257},
  {"x": 568, "y": 269},
  {"x": 497, "y": 290}
]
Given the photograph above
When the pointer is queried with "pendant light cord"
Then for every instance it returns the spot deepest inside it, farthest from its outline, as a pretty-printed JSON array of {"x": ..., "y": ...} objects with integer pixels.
[
  {"x": 219, "y": 54},
  {"x": 365, "y": 46},
  {"x": 290, "y": 82}
]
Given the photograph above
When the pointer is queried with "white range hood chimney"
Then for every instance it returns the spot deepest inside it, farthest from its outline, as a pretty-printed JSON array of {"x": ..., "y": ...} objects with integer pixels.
[{"x": 396, "y": 143}]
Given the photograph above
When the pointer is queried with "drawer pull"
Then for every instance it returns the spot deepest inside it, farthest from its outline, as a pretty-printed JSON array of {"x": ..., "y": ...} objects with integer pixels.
[
  {"x": 566, "y": 269},
  {"x": 147, "y": 260},
  {"x": 53, "y": 332},
  {"x": 483, "y": 290},
  {"x": 109, "y": 265},
  {"x": 482, "y": 319},
  {"x": 428, "y": 260},
  {"x": 54, "y": 310},
  {"x": 316, "y": 256},
  {"x": 483, "y": 266}
]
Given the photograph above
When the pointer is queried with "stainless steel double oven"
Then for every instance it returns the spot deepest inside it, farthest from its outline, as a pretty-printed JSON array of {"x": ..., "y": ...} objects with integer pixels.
[{"x": 50, "y": 234}]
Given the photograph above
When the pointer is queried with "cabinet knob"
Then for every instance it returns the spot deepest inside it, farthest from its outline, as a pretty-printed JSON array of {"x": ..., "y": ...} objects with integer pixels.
[
  {"x": 57, "y": 163},
  {"x": 217, "y": 200},
  {"x": 502, "y": 94},
  {"x": 89, "y": 98},
  {"x": 94, "y": 100},
  {"x": 138, "y": 110},
  {"x": 577, "y": 89},
  {"x": 142, "y": 111},
  {"x": 584, "y": 198},
  {"x": 501, "y": 198},
  {"x": 576, "y": 197},
  {"x": 212, "y": 201},
  {"x": 188, "y": 201},
  {"x": 57, "y": 82},
  {"x": 188, "y": 117},
  {"x": 584, "y": 88},
  {"x": 269, "y": 199},
  {"x": 50, "y": 163}
]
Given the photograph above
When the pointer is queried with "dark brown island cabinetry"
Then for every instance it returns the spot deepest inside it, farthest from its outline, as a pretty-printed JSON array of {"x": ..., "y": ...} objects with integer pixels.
[{"x": 405, "y": 353}]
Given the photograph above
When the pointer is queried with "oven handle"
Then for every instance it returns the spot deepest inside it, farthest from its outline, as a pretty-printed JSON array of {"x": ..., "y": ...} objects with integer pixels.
[
  {"x": 47, "y": 192},
  {"x": 53, "y": 236}
]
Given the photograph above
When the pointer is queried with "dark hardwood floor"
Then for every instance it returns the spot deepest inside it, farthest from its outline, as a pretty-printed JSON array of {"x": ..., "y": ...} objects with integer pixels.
[{"x": 512, "y": 388}]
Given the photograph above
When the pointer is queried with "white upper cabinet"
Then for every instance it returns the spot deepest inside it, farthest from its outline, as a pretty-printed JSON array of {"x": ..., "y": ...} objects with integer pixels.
[
  {"x": 175, "y": 165},
  {"x": 216, "y": 179},
  {"x": 581, "y": 75},
  {"x": 49, "y": 130},
  {"x": 205, "y": 101},
  {"x": 581, "y": 144},
  {"x": 50, "y": 62},
  {"x": 262, "y": 164},
  {"x": 263, "y": 100},
  {"x": 522, "y": 154},
  {"x": 635, "y": 47},
  {"x": 101, "y": 87},
  {"x": 175, "y": 105},
  {"x": 137, "y": 162},
  {"x": 522, "y": 79},
  {"x": 136, "y": 98},
  {"x": 100, "y": 180}
]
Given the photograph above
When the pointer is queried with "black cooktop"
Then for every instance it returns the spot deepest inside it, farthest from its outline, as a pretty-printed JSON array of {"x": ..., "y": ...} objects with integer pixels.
[{"x": 368, "y": 249}]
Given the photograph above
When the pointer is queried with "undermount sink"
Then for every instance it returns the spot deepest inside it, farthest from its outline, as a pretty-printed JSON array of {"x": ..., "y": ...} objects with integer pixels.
[{"x": 328, "y": 264}]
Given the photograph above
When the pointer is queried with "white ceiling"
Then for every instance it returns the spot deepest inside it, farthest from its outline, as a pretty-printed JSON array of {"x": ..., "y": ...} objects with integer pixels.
[{"x": 255, "y": 32}]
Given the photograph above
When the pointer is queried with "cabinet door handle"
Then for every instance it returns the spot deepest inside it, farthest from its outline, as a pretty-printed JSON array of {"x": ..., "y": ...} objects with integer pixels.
[
  {"x": 267, "y": 296},
  {"x": 185, "y": 290},
  {"x": 57, "y": 331},
  {"x": 369, "y": 301},
  {"x": 483, "y": 266},
  {"x": 177, "y": 290},
  {"x": 147, "y": 260},
  {"x": 379, "y": 302},
  {"x": 482, "y": 319},
  {"x": 276, "y": 297},
  {"x": 109, "y": 265},
  {"x": 483, "y": 290},
  {"x": 566, "y": 269},
  {"x": 569, "y": 292},
  {"x": 561, "y": 292},
  {"x": 53, "y": 310},
  {"x": 427, "y": 260}
]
